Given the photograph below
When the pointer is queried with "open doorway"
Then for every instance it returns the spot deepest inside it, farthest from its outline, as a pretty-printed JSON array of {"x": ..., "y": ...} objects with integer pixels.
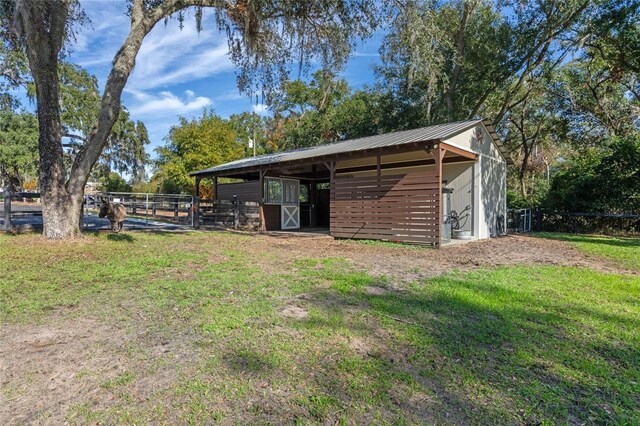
[{"x": 314, "y": 204}]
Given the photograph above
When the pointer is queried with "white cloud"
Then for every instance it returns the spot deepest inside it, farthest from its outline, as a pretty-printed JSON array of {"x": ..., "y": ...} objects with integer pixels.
[
  {"x": 260, "y": 109},
  {"x": 366, "y": 55},
  {"x": 166, "y": 104},
  {"x": 98, "y": 41},
  {"x": 170, "y": 56},
  {"x": 232, "y": 95}
]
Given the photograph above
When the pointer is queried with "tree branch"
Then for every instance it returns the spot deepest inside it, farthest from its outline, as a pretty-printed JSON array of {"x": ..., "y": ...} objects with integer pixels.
[{"x": 142, "y": 22}]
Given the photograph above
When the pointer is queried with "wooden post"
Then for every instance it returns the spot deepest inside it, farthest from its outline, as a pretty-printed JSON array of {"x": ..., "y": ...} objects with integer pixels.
[
  {"x": 7, "y": 210},
  {"x": 197, "y": 186},
  {"x": 196, "y": 212},
  {"x": 236, "y": 212},
  {"x": 153, "y": 207},
  {"x": 313, "y": 198},
  {"x": 214, "y": 196},
  {"x": 438, "y": 154},
  {"x": 263, "y": 225},
  {"x": 332, "y": 175},
  {"x": 331, "y": 166},
  {"x": 176, "y": 201},
  {"x": 378, "y": 167}
]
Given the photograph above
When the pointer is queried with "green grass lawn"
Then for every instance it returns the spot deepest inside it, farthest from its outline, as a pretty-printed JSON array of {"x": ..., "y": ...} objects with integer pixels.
[
  {"x": 623, "y": 250},
  {"x": 314, "y": 340}
]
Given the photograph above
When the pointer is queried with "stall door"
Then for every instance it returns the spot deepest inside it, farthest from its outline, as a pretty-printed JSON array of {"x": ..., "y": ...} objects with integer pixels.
[{"x": 290, "y": 209}]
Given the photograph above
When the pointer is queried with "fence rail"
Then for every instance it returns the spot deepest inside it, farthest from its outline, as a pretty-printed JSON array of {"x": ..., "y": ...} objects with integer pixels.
[
  {"x": 175, "y": 208},
  {"x": 146, "y": 208},
  {"x": 19, "y": 204},
  {"x": 229, "y": 214},
  {"x": 586, "y": 222}
]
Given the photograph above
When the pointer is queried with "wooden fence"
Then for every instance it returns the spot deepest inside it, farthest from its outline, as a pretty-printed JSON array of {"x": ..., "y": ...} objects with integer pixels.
[
  {"x": 174, "y": 208},
  {"x": 402, "y": 208},
  {"x": 586, "y": 222},
  {"x": 229, "y": 214},
  {"x": 19, "y": 205}
]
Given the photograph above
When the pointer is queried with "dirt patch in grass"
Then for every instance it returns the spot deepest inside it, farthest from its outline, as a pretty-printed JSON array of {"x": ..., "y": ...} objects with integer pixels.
[
  {"x": 46, "y": 369},
  {"x": 409, "y": 263},
  {"x": 54, "y": 373},
  {"x": 294, "y": 312}
]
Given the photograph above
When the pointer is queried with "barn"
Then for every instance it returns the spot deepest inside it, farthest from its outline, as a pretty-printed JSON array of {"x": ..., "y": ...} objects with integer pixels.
[{"x": 406, "y": 186}]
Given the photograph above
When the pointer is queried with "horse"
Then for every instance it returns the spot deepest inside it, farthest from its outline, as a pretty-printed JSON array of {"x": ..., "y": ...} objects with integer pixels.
[{"x": 116, "y": 213}]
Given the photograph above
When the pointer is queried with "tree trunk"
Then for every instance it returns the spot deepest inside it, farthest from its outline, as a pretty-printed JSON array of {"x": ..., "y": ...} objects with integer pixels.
[
  {"x": 43, "y": 47},
  {"x": 43, "y": 24},
  {"x": 458, "y": 59},
  {"x": 522, "y": 173}
]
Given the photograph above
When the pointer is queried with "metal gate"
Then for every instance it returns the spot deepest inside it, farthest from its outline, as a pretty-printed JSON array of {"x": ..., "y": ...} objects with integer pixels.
[
  {"x": 155, "y": 211},
  {"x": 23, "y": 210}
]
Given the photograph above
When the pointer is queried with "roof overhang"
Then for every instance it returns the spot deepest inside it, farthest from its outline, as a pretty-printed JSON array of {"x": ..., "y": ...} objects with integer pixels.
[
  {"x": 396, "y": 142},
  {"x": 325, "y": 159},
  {"x": 496, "y": 139}
]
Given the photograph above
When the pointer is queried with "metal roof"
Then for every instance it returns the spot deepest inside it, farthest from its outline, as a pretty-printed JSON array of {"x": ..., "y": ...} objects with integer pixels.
[{"x": 431, "y": 133}]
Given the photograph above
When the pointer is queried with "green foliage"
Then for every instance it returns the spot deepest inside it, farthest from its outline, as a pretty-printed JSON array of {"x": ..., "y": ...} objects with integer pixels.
[
  {"x": 508, "y": 61},
  {"x": 114, "y": 183},
  {"x": 80, "y": 105},
  {"x": 321, "y": 111},
  {"x": 249, "y": 126},
  {"x": 18, "y": 147},
  {"x": 194, "y": 145},
  {"x": 593, "y": 102},
  {"x": 606, "y": 180},
  {"x": 125, "y": 150}
]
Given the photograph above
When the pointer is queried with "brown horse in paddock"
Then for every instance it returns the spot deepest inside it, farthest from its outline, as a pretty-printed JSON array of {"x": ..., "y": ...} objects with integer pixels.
[{"x": 116, "y": 214}]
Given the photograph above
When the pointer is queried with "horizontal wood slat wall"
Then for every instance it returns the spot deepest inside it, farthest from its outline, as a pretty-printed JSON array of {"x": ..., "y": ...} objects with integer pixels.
[
  {"x": 245, "y": 191},
  {"x": 401, "y": 208}
]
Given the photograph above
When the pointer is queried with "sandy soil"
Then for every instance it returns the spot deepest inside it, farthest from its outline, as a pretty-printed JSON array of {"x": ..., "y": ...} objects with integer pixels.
[
  {"x": 407, "y": 263},
  {"x": 45, "y": 369}
]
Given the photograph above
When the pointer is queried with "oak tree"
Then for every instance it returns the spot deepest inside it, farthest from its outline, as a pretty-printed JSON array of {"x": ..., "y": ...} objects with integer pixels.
[{"x": 264, "y": 38}]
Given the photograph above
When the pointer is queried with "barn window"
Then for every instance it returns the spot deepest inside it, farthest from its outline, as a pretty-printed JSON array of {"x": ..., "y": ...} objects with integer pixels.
[
  {"x": 272, "y": 191},
  {"x": 304, "y": 194}
]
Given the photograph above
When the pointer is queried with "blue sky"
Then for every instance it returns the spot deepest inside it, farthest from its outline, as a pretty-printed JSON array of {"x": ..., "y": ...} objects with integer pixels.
[{"x": 180, "y": 72}]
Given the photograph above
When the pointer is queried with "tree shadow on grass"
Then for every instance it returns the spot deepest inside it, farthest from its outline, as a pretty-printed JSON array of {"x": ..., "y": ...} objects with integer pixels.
[
  {"x": 248, "y": 360},
  {"x": 625, "y": 242},
  {"x": 129, "y": 232},
  {"x": 488, "y": 359},
  {"x": 120, "y": 238}
]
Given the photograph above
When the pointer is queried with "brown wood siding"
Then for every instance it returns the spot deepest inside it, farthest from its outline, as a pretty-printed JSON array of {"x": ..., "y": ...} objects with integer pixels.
[
  {"x": 245, "y": 191},
  {"x": 272, "y": 217},
  {"x": 401, "y": 208}
]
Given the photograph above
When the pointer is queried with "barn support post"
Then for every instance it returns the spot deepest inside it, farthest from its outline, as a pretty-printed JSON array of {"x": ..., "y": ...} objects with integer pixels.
[
  {"x": 313, "y": 194},
  {"x": 196, "y": 212},
  {"x": 146, "y": 209},
  {"x": 438, "y": 154},
  {"x": 7, "y": 210},
  {"x": 236, "y": 212},
  {"x": 331, "y": 165},
  {"x": 263, "y": 225},
  {"x": 214, "y": 196},
  {"x": 198, "y": 186}
]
